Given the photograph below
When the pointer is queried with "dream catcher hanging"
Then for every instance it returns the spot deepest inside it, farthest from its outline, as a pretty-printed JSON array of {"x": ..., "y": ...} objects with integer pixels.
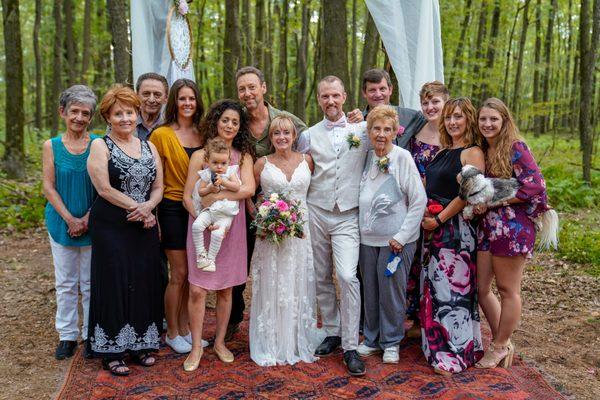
[{"x": 179, "y": 40}]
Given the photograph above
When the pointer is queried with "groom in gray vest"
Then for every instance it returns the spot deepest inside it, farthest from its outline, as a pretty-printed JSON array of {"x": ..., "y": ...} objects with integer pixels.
[{"x": 338, "y": 149}]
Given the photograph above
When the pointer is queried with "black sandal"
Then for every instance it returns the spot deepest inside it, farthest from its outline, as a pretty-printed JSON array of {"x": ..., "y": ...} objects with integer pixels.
[
  {"x": 114, "y": 369},
  {"x": 143, "y": 360}
]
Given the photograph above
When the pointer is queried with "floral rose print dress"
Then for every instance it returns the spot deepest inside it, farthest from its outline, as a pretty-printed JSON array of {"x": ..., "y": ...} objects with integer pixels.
[
  {"x": 449, "y": 311},
  {"x": 510, "y": 231}
]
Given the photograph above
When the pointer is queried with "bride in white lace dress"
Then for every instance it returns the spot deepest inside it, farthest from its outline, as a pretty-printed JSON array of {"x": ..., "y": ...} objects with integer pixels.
[{"x": 283, "y": 324}]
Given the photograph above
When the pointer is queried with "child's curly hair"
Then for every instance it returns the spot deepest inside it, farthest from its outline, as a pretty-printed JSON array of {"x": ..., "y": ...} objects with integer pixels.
[{"x": 215, "y": 145}]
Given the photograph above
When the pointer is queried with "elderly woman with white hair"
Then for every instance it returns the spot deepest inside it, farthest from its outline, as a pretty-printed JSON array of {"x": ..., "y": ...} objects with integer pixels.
[
  {"x": 69, "y": 191},
  {"x": 391, "y": 205}
]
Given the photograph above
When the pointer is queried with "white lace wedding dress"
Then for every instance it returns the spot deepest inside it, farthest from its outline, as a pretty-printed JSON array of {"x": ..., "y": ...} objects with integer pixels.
[{"x": 283, "y": 325}]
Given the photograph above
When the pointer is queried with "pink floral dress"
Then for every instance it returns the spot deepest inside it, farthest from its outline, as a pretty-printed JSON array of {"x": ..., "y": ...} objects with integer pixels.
[{"x": 510, "y": 231}]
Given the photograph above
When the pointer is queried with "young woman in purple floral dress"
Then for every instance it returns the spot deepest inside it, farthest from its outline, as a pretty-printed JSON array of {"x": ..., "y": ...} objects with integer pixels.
[
  {"x": 423, "y": 147},
  {"x": 506, "y": 234},
  {"x": 449, "y": 315}
]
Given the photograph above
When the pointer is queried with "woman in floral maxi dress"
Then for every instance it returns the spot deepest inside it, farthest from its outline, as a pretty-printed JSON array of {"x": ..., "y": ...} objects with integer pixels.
[{"x": 449, "y": 315}]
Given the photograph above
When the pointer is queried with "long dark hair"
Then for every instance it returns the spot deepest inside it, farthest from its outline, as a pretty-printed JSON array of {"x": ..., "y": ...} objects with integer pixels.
[
  {"x": 208, "y": 126},
  {"x": 171, "y": 111}
]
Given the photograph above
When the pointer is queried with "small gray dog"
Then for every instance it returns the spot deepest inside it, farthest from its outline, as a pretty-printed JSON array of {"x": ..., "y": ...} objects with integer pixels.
[{"x": 475, "y": 188}]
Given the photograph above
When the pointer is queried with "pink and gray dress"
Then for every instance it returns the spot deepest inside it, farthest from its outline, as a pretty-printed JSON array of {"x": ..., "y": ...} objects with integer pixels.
[{"x": 510, "y": 231}]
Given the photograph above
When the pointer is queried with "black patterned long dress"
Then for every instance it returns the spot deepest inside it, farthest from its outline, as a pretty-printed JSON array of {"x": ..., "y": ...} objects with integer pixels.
[{"x": 126, "y": 304}]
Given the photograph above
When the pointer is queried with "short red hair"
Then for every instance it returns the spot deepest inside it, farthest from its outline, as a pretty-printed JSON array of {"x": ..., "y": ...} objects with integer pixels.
[{"x": 118, "y": 94}]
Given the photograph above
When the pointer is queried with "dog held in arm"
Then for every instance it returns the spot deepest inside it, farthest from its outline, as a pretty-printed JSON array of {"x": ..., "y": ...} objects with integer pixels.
[{"x": 475, "y": 188}]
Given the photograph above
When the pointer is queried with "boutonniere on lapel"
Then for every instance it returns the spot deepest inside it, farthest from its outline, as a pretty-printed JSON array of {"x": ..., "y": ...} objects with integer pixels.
[
  {"x": 400, "y": 131},
  {"x": 353, "y": 140},
  {"x": 383, "y": 164}
]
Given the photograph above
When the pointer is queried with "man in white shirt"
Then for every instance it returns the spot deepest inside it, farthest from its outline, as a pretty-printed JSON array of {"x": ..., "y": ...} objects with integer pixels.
[{"x": 339, "y": 150}]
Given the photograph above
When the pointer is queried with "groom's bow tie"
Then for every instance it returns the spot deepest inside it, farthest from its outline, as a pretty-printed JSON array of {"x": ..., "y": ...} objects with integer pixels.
[{"x": 340, "y": 123}]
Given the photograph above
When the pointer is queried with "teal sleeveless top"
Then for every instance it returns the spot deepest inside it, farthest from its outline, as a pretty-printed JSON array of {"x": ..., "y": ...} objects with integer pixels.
[{"x": 75, "y": 188}]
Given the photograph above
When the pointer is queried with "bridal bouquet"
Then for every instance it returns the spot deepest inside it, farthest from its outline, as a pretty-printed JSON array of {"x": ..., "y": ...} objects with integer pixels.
[{"x": 278, "y": 218}]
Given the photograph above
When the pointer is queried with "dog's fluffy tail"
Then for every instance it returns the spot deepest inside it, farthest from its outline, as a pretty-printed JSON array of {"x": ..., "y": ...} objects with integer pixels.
[{"x": 547, "y": 225}]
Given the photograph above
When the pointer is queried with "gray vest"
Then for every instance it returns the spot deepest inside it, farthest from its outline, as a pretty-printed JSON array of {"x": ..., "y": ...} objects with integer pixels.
[{"x": 336, "y": 178}]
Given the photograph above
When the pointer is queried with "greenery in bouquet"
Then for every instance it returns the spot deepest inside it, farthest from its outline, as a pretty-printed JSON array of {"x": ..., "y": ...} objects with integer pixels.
[{"x": 278, "y": 218}]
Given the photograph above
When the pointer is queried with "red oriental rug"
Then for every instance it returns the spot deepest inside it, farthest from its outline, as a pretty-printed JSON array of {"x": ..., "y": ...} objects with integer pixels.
[{"x": 412, "y": 378}]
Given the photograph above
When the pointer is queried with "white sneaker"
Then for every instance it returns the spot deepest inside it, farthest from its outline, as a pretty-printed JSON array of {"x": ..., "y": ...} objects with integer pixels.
[
  {"x": 188, "y": 338},
  {"x": 391, "y": 355},
  {"x": 178, "y": 344},
  {"x": 365, "y": 350}
]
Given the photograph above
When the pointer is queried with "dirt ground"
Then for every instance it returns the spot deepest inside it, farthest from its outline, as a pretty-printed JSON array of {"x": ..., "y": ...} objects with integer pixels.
[{"x": 559, "y": 334}]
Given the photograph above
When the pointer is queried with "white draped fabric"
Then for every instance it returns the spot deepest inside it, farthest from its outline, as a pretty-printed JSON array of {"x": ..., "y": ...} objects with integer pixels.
[
  {"x": 411, "y": 34},
  {"x": 149, "y": 44}
]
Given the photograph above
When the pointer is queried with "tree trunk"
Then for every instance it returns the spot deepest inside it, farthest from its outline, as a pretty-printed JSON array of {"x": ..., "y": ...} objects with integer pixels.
[
  {"x": 259, "y": 35},
  {"x": 14, "y": 151},
  {"x": 334, "y": 46},
  {"x": 117, "y": 14},
  {"x": 354, "y": 56},
  {"x": 370, "y": 47},
  {"x": 522, "y": 42},
  {"x": 566, "y": 115},
  {"x": 509, "y": 54},
  {"x": 282, "y": 73},
  {"x": 458, "y": 57},
  {"x": 199, "y": 50},
  {"x": 57, "y": 72},
  {"x": 232, "y": 52},
  {"x": 38, "y": 64},
  {"x": 247, "y": 32},
  {"x": 302, "y": 63},
  {"x": 481, "y": 33},
  {"x": 87, "y": 28},
  {"x": 69, "y": 43},
  {"x": 269, "y": 35},
  {"x": 491, "y": 51},
  {"x": 537, "y": 119},
  {"x": 588, "y": 50},
  {"x": 546, "y": 77}
]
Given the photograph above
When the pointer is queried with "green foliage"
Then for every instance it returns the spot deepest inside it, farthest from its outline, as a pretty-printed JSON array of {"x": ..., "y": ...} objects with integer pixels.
[
  {"x": 21, "y": 204},
  {"x": 579, "y": 241},
  {"x": 559, "y": 158}
]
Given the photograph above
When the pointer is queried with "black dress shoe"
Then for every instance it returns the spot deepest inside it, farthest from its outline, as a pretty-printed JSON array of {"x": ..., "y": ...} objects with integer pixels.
[
  {"x": 65, "y": 349},
  {"x": 328, "y": 346},
  {"x": 356, "y": 366},
  {"x": 87, "y": 351}
]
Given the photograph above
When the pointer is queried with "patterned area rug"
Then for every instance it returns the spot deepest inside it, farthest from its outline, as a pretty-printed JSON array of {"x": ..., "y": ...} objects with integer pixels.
[{"x": 412, "y": 378}]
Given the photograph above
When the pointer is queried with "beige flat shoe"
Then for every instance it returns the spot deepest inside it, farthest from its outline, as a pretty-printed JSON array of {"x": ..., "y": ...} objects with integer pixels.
[
  {"x": 190, "y": 364},
  {"x": 224, "y": 355}
]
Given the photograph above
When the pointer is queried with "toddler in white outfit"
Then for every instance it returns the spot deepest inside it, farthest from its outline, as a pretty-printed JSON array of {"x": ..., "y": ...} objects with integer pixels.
[{"x": 219, "y": 175}]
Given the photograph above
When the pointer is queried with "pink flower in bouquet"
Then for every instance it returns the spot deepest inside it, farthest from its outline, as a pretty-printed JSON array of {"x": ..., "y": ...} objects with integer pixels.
[
  {"x": 280, "y": 228},
  {"x": 266, "y": 203},
  {"x": 271, "y": 227},
  {"x": 294, "y": 217},
  {"x": 282, "y": 205}
]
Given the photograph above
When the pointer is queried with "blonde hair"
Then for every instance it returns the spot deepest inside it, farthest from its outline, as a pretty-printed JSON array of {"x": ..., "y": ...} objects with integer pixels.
[
  {"x": 471, "y": 134},
  {"x": 215, "y": 145},
  {"x": 282, "y": 122},
  {"x": 430, "y": 89},
  {"x": 382, "y": 112},
  {"x": 500, "y": 163},
  {"x": 118, "y": 94}
]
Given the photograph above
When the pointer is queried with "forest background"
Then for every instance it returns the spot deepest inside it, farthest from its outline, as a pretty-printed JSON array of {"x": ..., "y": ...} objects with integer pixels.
[{"x": 540, "y": 57}]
